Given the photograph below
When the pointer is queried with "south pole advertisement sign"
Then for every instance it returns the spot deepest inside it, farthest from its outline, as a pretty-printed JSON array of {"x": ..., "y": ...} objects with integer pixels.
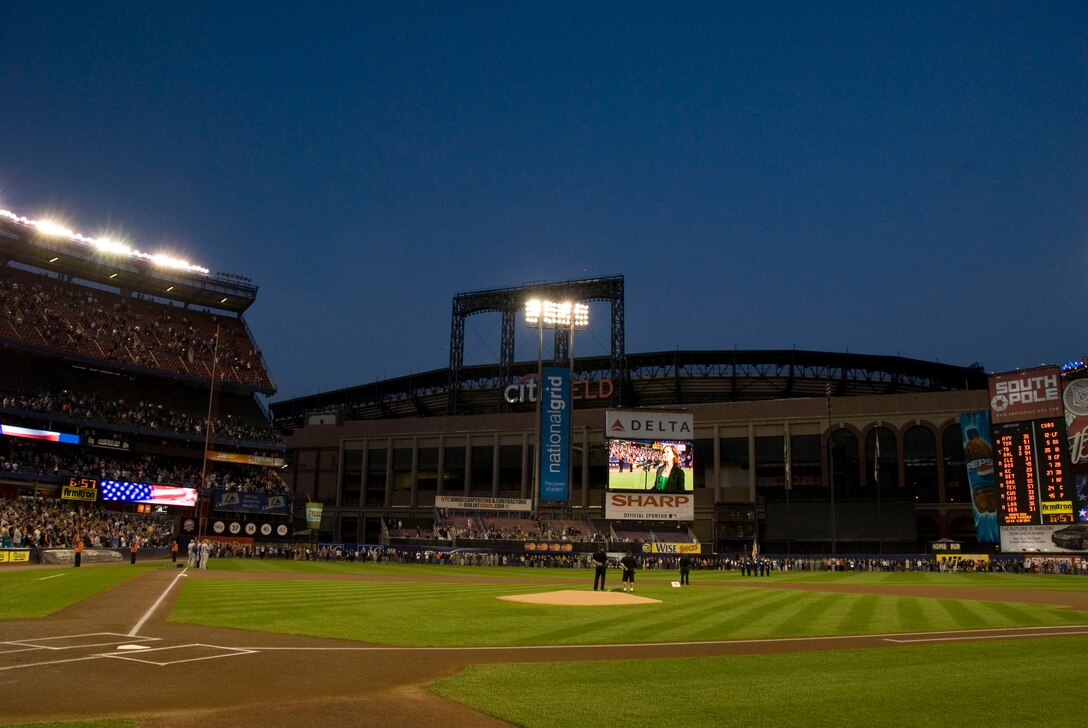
[{"x": 1030, "y": 394}]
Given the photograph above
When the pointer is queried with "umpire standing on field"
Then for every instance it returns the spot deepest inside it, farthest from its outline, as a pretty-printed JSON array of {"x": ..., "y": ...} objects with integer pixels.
[
  {"x": 685, "y": 569},
  {"x": 600, "y": 563}
]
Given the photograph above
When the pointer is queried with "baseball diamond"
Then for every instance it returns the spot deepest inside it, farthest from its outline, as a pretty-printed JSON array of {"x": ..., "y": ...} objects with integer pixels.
[{"x": 121, "y": 653}]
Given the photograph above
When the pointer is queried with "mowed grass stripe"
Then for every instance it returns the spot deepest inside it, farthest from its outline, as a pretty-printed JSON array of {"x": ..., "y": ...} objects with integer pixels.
[
  {"x": 1019, "y": 614},
  {"x": 873, "y": 688},
  {"x": 467, "y": 613},
  {"x": 963, "y": 614}
]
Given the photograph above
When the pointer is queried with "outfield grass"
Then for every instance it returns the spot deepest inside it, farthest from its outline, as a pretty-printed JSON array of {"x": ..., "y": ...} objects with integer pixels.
[
  {"x": 585, "y": 576},
  {"x": 990, "y": 684},
  {"x": 468, "y": 613}
]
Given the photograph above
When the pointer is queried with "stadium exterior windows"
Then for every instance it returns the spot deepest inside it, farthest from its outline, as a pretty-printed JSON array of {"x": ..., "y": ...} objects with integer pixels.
[
  {"x": 846, "y": 476},
  {"x": 956, "y": 488},
  {"x": 400, "y": 465},
  {"x": 920, "y": 463}
]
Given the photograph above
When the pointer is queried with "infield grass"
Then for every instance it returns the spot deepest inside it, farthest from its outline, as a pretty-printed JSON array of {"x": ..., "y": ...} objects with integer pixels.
[{"x": 462, "y": 609}]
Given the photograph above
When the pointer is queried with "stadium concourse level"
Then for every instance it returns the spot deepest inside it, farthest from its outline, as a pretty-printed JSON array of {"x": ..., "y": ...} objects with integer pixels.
[
  {"x": 48, "y": 313},
  {"x": 52, "y": 463},
  {"x": 45, "y": 523}
]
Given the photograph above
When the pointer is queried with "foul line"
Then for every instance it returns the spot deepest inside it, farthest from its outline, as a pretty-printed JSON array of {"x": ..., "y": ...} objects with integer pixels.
[
  {"x": 897, "y": 637},
  {"x": 919, "y": 640},
  {"x": 147, "y": 615}
]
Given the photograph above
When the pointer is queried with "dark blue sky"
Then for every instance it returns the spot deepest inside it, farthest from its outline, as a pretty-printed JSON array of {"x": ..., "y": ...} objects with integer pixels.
[{"x": 870, "y": 177}]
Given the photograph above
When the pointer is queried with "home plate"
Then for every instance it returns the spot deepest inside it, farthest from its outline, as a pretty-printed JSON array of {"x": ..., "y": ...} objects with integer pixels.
[
  {"x": 130, "y": 648},
  {"x": 571, "y": 598}
]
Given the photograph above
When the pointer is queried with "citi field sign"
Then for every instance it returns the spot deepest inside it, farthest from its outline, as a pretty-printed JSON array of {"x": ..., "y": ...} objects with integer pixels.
[
  {"x": 649, "y": 425},
  {"x": 527, "y": 389}
]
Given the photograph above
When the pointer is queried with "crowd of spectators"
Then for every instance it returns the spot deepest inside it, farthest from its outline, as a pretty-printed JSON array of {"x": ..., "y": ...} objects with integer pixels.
[
  {"x": 43, "y": 311},
  {"x": 49, "y": 461},
  {"x": 509, "y": 528},
  {"x": 628, "y": 454},
  {"x": 45, "y": 523},
  {"x": 140, "y": 415}
]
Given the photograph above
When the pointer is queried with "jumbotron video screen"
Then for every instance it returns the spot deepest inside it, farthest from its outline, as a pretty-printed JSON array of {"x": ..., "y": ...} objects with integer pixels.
[{"x": 650, "y": 465}]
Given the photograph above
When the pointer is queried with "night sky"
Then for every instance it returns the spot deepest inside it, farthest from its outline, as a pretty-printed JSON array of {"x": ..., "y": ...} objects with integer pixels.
[{"x": 871, "y": 177}]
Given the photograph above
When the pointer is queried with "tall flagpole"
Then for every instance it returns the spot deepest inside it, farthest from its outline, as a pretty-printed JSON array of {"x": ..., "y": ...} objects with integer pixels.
[
  {"x": 831, "y": 467},
  {"x": 876, "y": 481},
  {"x": 208, "y": 432},
  {"x": 786, "y": 455}
]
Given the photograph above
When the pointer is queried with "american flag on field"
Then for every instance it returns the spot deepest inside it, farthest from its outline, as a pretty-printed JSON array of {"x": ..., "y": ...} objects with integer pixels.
[{"x": 169, "y": 495}]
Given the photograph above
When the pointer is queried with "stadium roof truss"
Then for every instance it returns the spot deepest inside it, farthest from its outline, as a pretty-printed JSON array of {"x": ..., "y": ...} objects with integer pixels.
[
  {"x": 659, "y": 379},
  {"x": 509, "y": 302}
]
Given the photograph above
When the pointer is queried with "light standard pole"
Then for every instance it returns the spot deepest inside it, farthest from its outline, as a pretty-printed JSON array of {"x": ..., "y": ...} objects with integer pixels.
[
  {"x": 534, "y": 314},
  {"x": 551, "y": 315}
]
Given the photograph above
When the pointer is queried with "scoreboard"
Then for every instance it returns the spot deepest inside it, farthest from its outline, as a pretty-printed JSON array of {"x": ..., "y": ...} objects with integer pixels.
[{"x": 1032, "y": 472}]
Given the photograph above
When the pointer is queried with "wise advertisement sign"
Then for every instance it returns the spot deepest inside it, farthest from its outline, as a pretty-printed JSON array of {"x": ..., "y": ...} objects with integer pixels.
[
  {"x": 555, "y": 435},
  {"x": 1030, "y": 394},
  {"x": 649, "y": 506},
  {"x": 14, "y": 556},
  {"x": 671, "y": 548}
]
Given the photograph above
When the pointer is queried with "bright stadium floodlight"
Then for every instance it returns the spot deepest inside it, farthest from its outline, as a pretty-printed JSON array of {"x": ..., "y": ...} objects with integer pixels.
[
  {"x": 51, "y": 229},
  {"x": 532, "y": 311}
]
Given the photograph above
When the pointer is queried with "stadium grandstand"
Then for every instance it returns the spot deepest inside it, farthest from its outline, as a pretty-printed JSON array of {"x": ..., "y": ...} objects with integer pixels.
[
  {"x": 131, "y": 386},
  {"x": 798, "y": 451}
]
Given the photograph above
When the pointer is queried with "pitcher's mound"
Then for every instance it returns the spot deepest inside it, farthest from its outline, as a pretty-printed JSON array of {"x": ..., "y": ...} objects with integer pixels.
[{"x": 570, "y": 598}]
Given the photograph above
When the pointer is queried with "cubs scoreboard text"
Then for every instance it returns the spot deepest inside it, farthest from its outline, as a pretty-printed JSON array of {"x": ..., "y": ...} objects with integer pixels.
[{"x": 1032, "y": 471}]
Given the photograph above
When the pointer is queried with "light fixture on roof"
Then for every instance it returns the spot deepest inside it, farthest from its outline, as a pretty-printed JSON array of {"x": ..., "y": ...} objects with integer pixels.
[{"x": 104, "y": 245}]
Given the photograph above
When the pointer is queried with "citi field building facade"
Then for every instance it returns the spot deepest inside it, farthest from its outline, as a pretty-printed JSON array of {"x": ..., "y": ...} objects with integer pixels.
[{"x": 804, "y": 451}]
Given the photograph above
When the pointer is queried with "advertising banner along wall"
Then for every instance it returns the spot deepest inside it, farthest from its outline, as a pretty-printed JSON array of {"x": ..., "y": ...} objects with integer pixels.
[
  {"x": 649, "y": 506},
  {"x": 229, "y": 500},
  {"x": 979, "y": 458},
  {"x": 555, "y": 435},
  {"x": 464, "y": 503}
]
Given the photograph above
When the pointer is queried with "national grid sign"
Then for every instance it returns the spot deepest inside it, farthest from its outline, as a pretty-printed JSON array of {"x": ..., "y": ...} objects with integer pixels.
[{"x": 555, "y": 435}]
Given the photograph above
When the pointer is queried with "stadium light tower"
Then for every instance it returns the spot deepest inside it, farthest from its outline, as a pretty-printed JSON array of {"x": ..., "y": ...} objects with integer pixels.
[{"x": 543, "y": 314}]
